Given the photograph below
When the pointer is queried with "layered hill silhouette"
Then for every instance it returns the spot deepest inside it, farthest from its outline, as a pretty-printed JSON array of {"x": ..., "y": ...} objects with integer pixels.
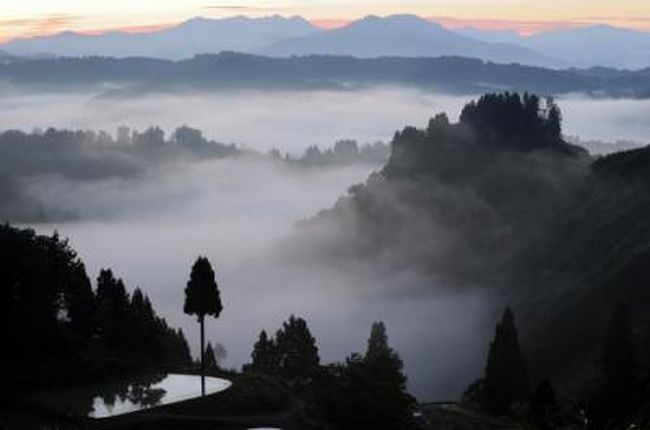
[
  {"x": 404, "y": 36},
  {"x": 236, "y": 70},
  {"x": 192, "y": 37},
  {"x": 372, "y": 36},
  {"x": 588, "y": 46},
  {"x": 499, "y": 201}
]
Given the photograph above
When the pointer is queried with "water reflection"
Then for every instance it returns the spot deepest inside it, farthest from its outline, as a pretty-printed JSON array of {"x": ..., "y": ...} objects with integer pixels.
[
  {"x": 152, "y": 391},
  {"x": 131, "y": 395}
]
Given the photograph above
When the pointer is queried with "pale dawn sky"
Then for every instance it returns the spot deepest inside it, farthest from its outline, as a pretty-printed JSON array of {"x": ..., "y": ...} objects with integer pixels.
[{"x": 20, "y": 18}]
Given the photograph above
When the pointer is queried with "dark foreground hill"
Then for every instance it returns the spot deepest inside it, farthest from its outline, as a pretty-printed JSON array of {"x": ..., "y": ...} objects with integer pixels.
[{"x": 500, "y": 201}]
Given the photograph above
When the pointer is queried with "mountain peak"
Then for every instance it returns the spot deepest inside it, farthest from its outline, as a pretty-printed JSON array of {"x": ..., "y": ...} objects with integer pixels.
[
  {"x": 396, "y": 19},
  {"x": 400, "y": 23},
  {"x": 197, "y": 20}
]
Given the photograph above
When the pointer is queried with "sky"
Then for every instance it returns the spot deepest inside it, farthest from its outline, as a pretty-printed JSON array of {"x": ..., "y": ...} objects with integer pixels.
[{"x": 24, "y": 18}]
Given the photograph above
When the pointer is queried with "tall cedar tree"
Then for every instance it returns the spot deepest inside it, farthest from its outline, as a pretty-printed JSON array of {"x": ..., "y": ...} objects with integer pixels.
[
  {"x": 382, "y": 360},
  {"x": 202, "y": 298},
  {"x": 506, "y": 377},
  {"x": 80, "y": 300},
  {"x": 384, "y": 366},
  {"x": 265, "y": 355},
  {"x": 373, "y": 383},
  {"x": 143, "y": 323},
  {"x": 297, "y": 350},
  {"x": 113, "y": 309}
]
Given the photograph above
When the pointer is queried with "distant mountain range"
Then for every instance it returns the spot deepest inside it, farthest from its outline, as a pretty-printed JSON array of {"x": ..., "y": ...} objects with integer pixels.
[
  {"x": 396, "y": 35},
  {"x": 196, "y": 36},
  {"x": 404, "y": 36},
  {"x": 598, "y": 45}
]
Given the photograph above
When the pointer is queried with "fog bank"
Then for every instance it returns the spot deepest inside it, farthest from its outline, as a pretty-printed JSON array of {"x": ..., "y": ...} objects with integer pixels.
[
  {"x": 235, "y": 211},
  {"x": 150, "y": 228},
  {"x": 291, "y": 120}
]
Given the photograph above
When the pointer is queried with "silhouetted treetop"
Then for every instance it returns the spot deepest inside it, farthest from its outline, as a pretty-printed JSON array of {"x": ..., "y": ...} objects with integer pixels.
[
  {"x": 266, "y": 357},
  {"x": 292, "y": 353},
  {"x": 377, "y": 342},
  {"x": 202, "y": 298},
  {"x": 382, "y": 360},
  {"x": 374, "y": 384},
  {"x": 512, "y": 120},
  {"x": 296, "y": 349},
  {"x": 490, "y": 127},
  {"x": 506, "y": 377},
  {"x": 202, "y": 294}
]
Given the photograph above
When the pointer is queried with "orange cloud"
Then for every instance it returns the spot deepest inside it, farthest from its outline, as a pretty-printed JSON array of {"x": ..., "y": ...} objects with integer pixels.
[
  {"x": 134, "y": 29},
  {"x": 19, "y": 28},
  {"x": 29, "y": 27},
  {"x": 330, "y": 24}
]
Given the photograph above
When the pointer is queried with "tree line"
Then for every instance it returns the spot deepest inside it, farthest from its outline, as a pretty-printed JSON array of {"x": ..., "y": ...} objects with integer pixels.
[
  {"x": 366, "y": 391},
  {"x": 63, "y": 329},
  {"x": 344, "y": 152},
  {"x": 614, "y": 402},
  {"x": 233, "y": 70},
  {"x": 93, "y": 155},
  {"x": 60, "y": 328}
]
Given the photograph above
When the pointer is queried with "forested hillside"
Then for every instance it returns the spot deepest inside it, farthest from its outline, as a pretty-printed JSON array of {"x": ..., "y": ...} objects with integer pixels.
[
  {"x": 60, "y": 328},
  {"x": 236, "y": 70},
  {"x": 500, "y": 202}
]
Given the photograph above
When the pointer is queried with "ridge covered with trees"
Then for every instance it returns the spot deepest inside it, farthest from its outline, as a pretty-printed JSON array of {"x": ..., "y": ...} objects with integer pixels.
[
  {"x": 364, "y": 392},
  {"x": 237, "y": 70},
  {"x": 60, "y": 328},
  {"x": 615, "y": 401},
  {"x": 500, "y": 201},
  {"x": 291, "y": 353},
  {"x": 85, "y": 156}
]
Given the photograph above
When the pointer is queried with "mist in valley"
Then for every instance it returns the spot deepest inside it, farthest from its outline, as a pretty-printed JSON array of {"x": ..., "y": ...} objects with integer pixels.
[
  {"x": 237, "y": 210},
  {"x": 151, "y": 229},
  {"x": 289, "y": 120}
]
